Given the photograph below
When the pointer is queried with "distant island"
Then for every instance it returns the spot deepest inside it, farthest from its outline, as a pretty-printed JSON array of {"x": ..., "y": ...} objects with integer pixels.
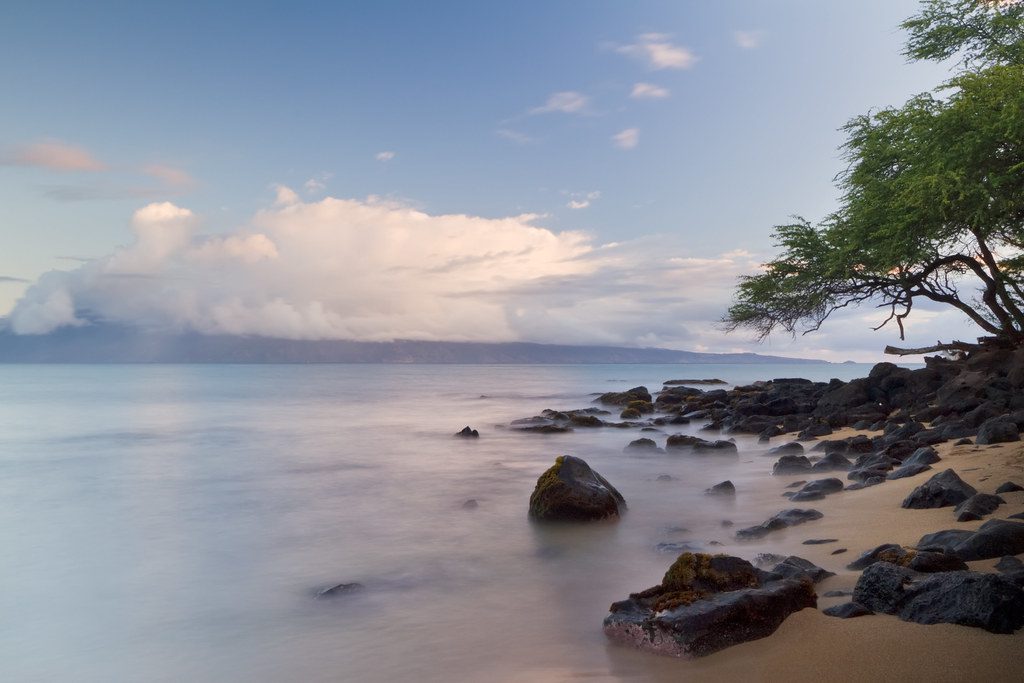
[{"x": 122, "y": 344}]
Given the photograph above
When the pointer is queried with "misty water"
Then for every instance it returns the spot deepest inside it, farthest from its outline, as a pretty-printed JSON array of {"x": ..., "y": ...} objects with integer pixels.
[{"x": 169, "y": 523}]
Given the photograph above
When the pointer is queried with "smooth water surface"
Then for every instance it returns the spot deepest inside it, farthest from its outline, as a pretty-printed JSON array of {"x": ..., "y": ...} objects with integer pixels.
[{"x": 170, "y": 523}]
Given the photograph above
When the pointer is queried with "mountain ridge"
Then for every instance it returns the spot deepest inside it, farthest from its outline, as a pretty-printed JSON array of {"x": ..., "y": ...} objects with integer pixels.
[{"x": 119, "y": 344}]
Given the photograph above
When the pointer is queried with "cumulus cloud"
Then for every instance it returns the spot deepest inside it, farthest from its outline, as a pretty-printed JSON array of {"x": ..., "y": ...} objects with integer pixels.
[
  {"x": 748, "y": 40},
  {"x": 657, "y": 50},
  {"x": 626, "y": 139},
  {"x": 55, "y": 156},
  {"x": 648, "y": 91},
  {"x": 386, "y": 155},
  {"x": 566, "y": 102}
]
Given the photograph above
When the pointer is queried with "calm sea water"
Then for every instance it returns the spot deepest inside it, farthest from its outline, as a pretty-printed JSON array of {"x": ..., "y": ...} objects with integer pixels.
[{"x": 170, "y": 523}]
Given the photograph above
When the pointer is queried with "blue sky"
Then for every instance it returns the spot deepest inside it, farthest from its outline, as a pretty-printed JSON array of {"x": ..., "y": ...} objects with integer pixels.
[{"x": 681, "y": 129}]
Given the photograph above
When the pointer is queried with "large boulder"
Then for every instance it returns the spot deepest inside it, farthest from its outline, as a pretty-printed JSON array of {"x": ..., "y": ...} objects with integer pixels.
[
  {"x": 987, "y": 601},
  {"x": 705, "y": 604},
  {"x": 997, "y": 430},
  {"x": 570, "y": 491},
  {"x": 942, "y": 490}
]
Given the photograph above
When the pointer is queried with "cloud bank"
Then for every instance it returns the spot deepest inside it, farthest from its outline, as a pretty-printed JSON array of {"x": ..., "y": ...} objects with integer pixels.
[{"x": 373, "y": 270}]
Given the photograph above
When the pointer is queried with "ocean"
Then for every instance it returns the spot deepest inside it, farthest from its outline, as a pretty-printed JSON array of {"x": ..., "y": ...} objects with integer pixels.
[{"x": 175, "y": 522}]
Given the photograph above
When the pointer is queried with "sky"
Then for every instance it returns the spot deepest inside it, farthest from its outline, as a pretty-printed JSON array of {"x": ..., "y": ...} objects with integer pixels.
[{"x": 578, "y": 172}]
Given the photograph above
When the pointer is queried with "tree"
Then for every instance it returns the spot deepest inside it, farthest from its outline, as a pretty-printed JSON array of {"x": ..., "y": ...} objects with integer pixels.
[{"x": 932, "y": 200}]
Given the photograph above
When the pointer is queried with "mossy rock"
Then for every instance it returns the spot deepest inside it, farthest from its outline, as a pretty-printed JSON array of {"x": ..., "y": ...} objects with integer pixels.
[
  {"x": 642, "y": 407},
  {"x": 571, "y": 491},
  {"x": 630, "y": 414}
]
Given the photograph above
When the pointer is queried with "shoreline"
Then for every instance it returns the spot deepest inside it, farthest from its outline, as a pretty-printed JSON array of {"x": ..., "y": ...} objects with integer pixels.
[{"x": 810, "y": 645}]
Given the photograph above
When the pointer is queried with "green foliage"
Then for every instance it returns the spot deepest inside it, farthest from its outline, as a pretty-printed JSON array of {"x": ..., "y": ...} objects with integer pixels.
[
  {"x": 932, "y": 199},
  {"x": 980, "y": 32}
]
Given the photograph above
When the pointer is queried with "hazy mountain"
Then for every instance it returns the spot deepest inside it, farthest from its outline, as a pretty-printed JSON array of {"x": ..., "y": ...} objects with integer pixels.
[{"x": 116, "y": 344}]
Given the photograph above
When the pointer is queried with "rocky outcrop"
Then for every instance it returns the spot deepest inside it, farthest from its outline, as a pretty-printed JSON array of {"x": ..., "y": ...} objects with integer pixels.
[
  {"x": 705, "y": 604},
  {"x": 571, "y": 491},
  {"x": 987, "y": 601}
]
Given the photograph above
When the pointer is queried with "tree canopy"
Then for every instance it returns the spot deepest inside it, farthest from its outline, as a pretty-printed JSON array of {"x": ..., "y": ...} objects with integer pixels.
[{"x": 932, "y": 203}]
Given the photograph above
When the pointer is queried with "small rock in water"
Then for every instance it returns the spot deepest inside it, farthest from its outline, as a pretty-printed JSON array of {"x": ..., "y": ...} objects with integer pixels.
[
  {"x": 724, "y": 488},
  {"x": 339, "y": 590},
  {"x": 664, "y": 477},
  {"x": 780, "y": 520},
  {"x": 839, "y": 551},
  {"x": 819, "y": 541},
  {"x": 468, "y": 433},
  {"x": 470, "y": 504}
]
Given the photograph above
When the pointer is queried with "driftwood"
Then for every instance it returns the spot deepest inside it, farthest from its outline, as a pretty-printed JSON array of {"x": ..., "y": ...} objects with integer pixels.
[{"x": 955, "y": 347}]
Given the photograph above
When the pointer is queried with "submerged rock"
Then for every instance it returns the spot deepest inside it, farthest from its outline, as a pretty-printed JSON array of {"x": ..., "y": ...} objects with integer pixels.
[
  {"x": 571, "y": 491},
  {"x": 792, "y": 464},
  {"x": 779, "y": 520},
  {"x": 942, "y": 490},
  {"x": 339, "y": 590},
  {"x": 699, "y": 445},
  {"x": 705, "y": 604},
  {"x": 468, "y": 433},
  {"x": 987, "y": 601},
  {"x": 643, "y": 444}
]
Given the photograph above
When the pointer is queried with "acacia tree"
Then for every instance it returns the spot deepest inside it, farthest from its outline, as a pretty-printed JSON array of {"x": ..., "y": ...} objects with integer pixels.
[{"x": 932, "y": 200}]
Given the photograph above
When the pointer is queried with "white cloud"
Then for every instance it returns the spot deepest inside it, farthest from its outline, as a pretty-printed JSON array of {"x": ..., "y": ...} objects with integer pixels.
[
  {"x": 566, "y": 102},
  {"x": 385, "y": 156},
  {"x": 515, "y": 136},
  {"x": 581, "y": 200},
  {"x": 659, "y": 52},
  {"x": 55, "y": 156},
  {"x": 648, "y": 91},
  {"x": 626, "y": 139},
  {"x": 284, "y": 196},
  {"x": 748, "y": 40},
  {"x": 317, "y": 183}
]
